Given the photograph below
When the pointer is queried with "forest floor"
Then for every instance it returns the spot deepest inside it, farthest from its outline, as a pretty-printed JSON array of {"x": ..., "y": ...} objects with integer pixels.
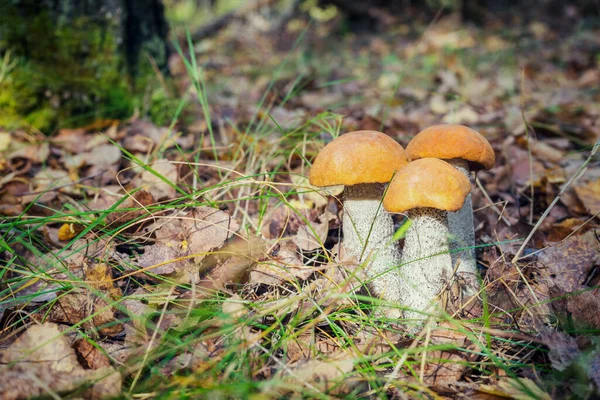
[{"x": 195, "y": 260}]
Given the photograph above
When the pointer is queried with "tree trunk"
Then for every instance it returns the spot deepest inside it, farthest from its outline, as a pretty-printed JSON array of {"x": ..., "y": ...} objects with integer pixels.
[{"x": 69, "y": 58}]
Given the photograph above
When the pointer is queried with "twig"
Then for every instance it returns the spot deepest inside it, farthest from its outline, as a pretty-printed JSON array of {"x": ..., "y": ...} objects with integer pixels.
[
  {"x": 59, "y": 187},
  {"x": 492, "y": 204},
  {"x": 573, "y": 178}
]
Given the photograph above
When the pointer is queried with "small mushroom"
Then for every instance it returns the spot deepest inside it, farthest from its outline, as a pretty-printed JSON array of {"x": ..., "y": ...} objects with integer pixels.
[
  {"x": 466, "y": 150},
  {"x": 425, "y": 190},
  {"x": 364, "y": 161}
]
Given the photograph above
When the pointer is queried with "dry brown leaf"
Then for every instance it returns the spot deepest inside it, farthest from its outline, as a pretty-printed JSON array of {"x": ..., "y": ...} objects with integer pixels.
[
  {"x": 321, "y": 374},
  {"x": 465, "y": 115},
  {"x": 311, "y": 237},
  {"x": 569, "y": 265},
  {"x": 34, "y": 152},
  {"x": 569, "y": 262},
  {"x": 142, "y": 136},
  {"x": 90, "y": 356},
  {"x": 199, "y": 230},
  {"x": 138, "y": 202},
  {"x": 522, "y": 389},
  {"x": 284, "y": 265},
  {"x": 163, "y": 259},
  {"x": 5, "y": 138},
  {"x": 77, "y": 305},
  {"x": 439, "y": 105},
  {"x": 46, "y": 180},
  {"x": 143, "y": 322},
  {"x": 589, "y": 194},
  {"x": 563, "y": 348},
  {"x": 520, "y": 167},
  {"x": 444, "y": 367},
  {"x": 155, "y": 184},
  {"x": 103, "y": 156},
  {"x": 184, "y": 240},
  {"x": 280, "y": 221},
  {"x": 545, "y": 152},
  {"x": 43, "y": 359},
  {"x": 72, "y": 140},
  {"x": 93, "y": 300},
  {"x": 230, "y": 264},
  {"x": 99, "y": 277}
]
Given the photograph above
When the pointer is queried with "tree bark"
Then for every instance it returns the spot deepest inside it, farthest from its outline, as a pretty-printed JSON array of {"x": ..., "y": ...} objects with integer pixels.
[{"x": 74, "y": 57}]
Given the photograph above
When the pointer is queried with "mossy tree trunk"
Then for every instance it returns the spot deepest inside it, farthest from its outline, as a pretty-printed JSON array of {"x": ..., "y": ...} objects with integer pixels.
[{"x": 69, "y": 62}]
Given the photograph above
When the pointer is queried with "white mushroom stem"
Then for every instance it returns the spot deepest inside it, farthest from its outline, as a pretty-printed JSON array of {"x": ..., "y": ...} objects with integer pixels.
[
  {"x": 368, "y": 230},
  {"x": 426, "y": 262},
  {"x": 462, "y": 231}
]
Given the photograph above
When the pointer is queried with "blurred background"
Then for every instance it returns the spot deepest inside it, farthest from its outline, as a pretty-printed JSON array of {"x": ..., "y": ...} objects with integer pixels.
[{"x": 72, "y": 63}]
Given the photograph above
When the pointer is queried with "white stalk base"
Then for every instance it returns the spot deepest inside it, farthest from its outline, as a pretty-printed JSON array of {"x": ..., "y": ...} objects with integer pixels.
[
  {"x": 426, "y": 262},
  {"x": 368, "y": 230}
]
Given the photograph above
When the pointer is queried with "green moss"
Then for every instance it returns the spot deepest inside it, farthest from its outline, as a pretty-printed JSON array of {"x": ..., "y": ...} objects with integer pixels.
[{"x": 68, "y": 74}]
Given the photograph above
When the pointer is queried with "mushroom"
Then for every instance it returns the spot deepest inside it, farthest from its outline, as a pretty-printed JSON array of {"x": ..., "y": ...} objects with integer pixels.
[
  {"x": 364, "y": 161},
  {"x": 466, "y": 150},
  {"x": 425, "y": 189}
]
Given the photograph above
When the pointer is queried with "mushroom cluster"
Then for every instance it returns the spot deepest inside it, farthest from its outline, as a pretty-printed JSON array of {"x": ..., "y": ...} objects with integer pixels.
[{"x": 433, "y": 193}]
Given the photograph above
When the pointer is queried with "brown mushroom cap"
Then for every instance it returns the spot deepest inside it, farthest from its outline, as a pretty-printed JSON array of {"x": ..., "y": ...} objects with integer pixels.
[
  {"x": 452, "y": 141},
  {"x": 428, "y": 182},
  {"x": 358, "y": 157}
]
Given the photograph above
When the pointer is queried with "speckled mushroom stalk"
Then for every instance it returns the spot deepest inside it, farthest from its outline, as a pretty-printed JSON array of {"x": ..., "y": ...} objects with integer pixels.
[
  {"x": 368, "y": 230},
  {"x": 425, "y": 190},
  {"x": 466, "y": 150},
  {"x": 462, "y": 228},
  {"x": 426, "y": 261}
]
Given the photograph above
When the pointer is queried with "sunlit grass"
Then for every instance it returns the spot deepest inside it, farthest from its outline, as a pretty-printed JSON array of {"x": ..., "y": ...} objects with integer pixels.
[{"x": 247, "y": 351}]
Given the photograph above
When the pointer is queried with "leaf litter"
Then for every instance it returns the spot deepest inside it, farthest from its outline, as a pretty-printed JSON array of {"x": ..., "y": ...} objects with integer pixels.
[{"x": 211, "y": 257}]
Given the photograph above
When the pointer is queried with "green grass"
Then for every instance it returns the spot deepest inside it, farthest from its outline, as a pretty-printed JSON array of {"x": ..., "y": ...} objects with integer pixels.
[{"x": 196, "y": 349}]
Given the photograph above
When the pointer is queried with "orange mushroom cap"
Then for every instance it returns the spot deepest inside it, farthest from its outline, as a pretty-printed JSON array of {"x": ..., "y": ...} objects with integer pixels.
[
  {"x": 428, "y": 182},
  {"x": 358, "y": 157},
  {"x": 452, "y": 141}
]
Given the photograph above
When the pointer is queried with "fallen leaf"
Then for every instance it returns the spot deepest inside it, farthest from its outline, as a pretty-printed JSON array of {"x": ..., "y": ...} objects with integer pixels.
[
  {"x": 522, "y": 389},
  {"x": 42, "y": 359},
  {"x": 92, "y": 300},
  {"x": 321, "y": 374},
  {"x": 284, "y": 265},
  {"x": 311, "y": 237},
  {"x": 189, "y": 235},
  {"x": 143, "y": 137},
  {"x": 465, "y": 115},
  {"x": 589, "y": 194},
  {"x": 569, "y": 262},
  {"x": 444, "y": 367},
  {"x": 46, "y": 180},
  {"x": 138, "y": 202},
  {"x": 153, "y": 181},
  {"x": 231, "y": 263},
  {"x": 563, "y": 348},
  {"x": 92, "y": 356},
  {"x": 103, "y": 156}
]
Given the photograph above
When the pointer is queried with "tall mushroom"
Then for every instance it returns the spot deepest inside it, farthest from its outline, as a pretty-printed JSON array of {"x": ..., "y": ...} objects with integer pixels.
[
  {"x": 425, "y": 189},
  {"x": 364, "y": 161},
  {"x": 466, "y": 150}
]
